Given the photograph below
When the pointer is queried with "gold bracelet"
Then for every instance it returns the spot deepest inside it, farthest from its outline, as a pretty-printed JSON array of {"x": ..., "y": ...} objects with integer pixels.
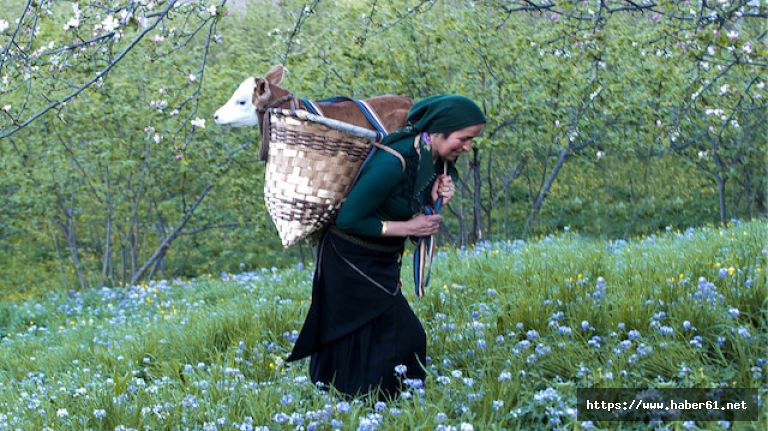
[{"x": 383, "y": 228}]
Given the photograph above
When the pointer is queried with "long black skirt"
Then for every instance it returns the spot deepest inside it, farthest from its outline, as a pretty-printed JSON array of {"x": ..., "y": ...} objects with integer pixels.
[{"x": 360, "y": 327}]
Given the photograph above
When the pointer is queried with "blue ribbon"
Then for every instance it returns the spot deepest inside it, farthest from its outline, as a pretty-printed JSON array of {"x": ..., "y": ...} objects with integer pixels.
[{"x": 422, "y": 256}]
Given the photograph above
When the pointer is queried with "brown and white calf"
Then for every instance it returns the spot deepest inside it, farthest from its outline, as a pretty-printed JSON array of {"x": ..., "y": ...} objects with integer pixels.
[{"x": 256, "y": 95}]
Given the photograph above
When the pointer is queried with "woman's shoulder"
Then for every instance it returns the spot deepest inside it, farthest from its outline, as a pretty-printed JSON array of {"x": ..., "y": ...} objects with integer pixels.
[
  {"x": 403, "y": 145},
  {"x": 396, "y": 154}
]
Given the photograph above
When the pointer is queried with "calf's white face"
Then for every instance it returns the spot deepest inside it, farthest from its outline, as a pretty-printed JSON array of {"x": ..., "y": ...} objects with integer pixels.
[{"x": 239, "y": 111}]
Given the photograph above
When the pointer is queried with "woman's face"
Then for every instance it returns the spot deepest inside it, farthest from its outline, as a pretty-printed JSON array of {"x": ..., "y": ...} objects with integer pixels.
[{"x": 452, "y": 146}]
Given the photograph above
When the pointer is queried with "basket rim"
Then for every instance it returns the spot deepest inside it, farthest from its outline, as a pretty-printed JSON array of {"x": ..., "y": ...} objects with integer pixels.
[{"x": 331, "y": 123}]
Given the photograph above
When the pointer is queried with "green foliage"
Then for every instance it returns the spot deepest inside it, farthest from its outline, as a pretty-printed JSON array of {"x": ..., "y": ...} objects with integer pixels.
[{"x": 659, "y": 115}]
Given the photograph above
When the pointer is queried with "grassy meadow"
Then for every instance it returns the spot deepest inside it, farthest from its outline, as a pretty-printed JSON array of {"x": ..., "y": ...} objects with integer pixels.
[{"x": 514, "y": 328}]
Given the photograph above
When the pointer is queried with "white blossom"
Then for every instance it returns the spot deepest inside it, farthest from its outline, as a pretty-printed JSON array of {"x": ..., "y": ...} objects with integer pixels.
[
  {"x": 198, "y": 122},
  {"x": 3, "y": 25},
  {"x": 697, "y": 93},
  {"x": 125, "y": 16},
  {"x": 593, "y": 95},
  {"x": 109, "y": 23},
  {"x": 73, "y": 22}
]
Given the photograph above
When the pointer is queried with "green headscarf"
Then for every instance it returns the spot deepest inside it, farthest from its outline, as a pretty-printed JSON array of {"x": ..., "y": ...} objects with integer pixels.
[{"x": 439, "y": 114}]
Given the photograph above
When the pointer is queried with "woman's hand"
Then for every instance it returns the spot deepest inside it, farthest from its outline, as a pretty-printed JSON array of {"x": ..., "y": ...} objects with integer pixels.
[
  {"x": 444, "y": 188},
  {"x": 421, "y": 225},
  {"x": 424, "y": 225}
]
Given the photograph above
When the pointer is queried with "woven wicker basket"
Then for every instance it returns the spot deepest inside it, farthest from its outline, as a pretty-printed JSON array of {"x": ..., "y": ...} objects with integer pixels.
[{"x": 310, "y": 170}]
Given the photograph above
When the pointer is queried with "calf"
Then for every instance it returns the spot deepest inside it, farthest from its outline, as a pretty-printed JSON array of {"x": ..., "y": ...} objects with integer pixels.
[{"x": 255, "y": 95}]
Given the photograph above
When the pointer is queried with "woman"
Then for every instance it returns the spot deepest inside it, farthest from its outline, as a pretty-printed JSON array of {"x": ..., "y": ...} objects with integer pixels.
[{"x": 360, "y": 331}]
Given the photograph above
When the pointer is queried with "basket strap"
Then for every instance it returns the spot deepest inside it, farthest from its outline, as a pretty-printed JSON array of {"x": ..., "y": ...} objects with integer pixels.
[
  {"x": 312, "y": 107},
  {"x": 371, "y": 114},
  {"x": 265, "y": 134},
  {"x": 262, "y": 114},
  {"x": 366, "y": 109},
  {"x": 393, "y": 152}
]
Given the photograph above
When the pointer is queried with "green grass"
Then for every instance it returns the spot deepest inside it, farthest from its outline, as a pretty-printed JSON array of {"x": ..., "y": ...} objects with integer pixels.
[{"x": 208, "y": 353}]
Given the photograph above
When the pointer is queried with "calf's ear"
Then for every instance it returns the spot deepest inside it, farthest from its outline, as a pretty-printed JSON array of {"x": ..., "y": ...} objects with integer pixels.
[
  {"x": 260, "y": 91},
  {"x": 275, "y": 74}
]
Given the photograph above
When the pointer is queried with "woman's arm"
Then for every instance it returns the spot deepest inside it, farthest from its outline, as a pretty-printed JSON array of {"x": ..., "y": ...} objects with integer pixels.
[{"x": 376, "y": 182}]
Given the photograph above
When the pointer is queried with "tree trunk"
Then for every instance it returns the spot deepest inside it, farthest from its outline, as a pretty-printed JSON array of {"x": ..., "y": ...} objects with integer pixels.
[
  {"x": 106, "y": 261},
  {"x": 166, "y": 243},
  {"x": 460, "y": 217},
  {"x": 476, "y": 234},
  {"x": 161, "y": 232},
  {"x": 760, "y": 202},
  {"x": 106, "y": 266},
  {"x": 545, "y": 190},
  {"x": 721, "y": 198},
  {"x": 721, "y": 180},
  {"x": 124, "y": 256},
  {"x": 491, "y": 199},
  {"x": 68, "y": 229}
]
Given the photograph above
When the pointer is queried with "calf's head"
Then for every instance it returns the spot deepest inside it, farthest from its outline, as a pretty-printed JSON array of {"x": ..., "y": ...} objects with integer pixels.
[{"x": 252, "y": 94}]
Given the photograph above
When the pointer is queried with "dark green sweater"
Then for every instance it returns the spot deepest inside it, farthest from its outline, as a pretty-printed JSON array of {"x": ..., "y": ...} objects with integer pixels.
[{"x": 385, "y": 192}]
